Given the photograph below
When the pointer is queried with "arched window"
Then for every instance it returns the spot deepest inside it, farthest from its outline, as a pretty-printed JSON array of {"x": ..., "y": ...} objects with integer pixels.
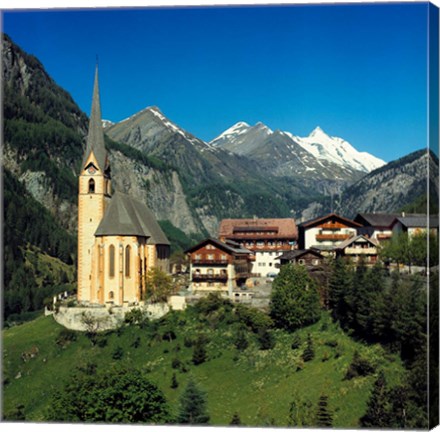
[
  {"x": 91, "y": 186},
  {"x": 111, "y": 271},
  {"x": 127, "y": 261},
  {"x": 111, "y": 295}
]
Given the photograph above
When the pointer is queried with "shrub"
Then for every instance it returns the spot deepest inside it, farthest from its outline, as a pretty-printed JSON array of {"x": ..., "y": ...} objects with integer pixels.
[
  {"x": 174, "y": 383},
  {"x": 118, "y": 353},
  {"x": 266, "y": 340},
  {"x": 199, "y": 353},
  {"x": 65, "y": 336},
  {"x": 253, "y": 318},
  {"x": 331, "y": 343},
  {"x": 188, "y": 342},
  {"x": 176, "y": 363},
  {"x": 137, "y": 342},
  {"x": 358, "y": 367},
  {"x": 169, "y": 335},
  {"x": 296, "y": 341},
  {"x": 240, "y": 341}
]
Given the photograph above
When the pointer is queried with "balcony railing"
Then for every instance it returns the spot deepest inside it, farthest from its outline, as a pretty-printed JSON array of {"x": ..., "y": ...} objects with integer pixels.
[
  {"x": 210, "y": 262},
  {"x": 383, "y": 236},
  {"x": 199, "y": 277},
  {"x": 332, "y": 237},
  {"x": 360, "y": 251}
]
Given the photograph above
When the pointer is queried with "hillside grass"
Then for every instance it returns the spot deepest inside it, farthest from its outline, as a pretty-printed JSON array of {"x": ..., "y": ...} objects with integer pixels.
[{"x": 258, "y": 385}]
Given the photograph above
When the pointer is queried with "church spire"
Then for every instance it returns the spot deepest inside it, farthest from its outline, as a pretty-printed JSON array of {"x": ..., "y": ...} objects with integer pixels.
[{"x": 95, "y": 137}]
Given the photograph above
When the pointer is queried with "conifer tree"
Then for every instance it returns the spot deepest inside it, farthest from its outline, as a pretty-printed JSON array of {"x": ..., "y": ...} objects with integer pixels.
[
  {"x": 309, "y": 352},
  {"x": 339, "y": 289},
  {"x": 235, "y": 421},
  {"x": 377, "y": 414},
  {"x": 193, "y": 406},
  {"x": 323, "y": 416}
]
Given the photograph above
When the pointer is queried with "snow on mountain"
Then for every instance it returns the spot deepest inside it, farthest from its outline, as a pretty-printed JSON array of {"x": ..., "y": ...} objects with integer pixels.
[
  {"x": 242, "y": 138},
  {"x": 245, "y": 140},
  {"x": 107, "y": 123},
  {"x": 337, "y": 150}
]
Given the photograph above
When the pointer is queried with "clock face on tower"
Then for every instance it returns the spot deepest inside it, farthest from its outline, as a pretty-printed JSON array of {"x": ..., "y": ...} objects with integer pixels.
[{"x": 91, "y": 170}]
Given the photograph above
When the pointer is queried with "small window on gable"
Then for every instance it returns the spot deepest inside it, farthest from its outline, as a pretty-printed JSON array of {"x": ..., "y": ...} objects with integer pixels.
[{"x": 91, "y": 186}]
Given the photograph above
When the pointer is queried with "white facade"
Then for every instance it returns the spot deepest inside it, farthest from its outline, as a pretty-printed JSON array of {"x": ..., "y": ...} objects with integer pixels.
[
  {"x": 312, "y": 236},
  {"x": 265, "y": 262}
]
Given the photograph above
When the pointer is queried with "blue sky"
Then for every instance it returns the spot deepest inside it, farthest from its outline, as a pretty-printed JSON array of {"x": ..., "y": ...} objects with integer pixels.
[{"x": 359, "y": 71}]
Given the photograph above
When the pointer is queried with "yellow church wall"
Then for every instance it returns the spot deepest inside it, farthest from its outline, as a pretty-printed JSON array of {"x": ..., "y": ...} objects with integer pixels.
[
  {"x": 121, "y": 287},
  {"x": 91, "y": 207}
]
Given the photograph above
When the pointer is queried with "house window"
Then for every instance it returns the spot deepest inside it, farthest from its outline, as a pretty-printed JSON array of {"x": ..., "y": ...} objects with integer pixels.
[
  {"x": 210, "y": 272},
  {"x": 91, "y": 186},
  {"x": 300, "y": 261},
  {"x": 198, "y": 257},
  {"x": 210, "y": 257},
  {"x": 127, "y": 261},
  {"x": 111, "y": 271},
  {"x": 316, "y": 262}
]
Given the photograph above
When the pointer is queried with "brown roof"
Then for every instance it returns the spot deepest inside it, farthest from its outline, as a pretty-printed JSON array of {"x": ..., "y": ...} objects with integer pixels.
[
  {"x": 353, "y": 239},
  {"x": 286, "y": 227},
  {"x": 320, "y": 219},
  {"x": 230, "y": 247}
]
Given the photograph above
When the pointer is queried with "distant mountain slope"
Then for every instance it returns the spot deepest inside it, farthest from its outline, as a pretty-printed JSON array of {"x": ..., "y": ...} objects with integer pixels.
[
  {"x": 325, "y": 155},
  {"x": 389, "y": 188}
]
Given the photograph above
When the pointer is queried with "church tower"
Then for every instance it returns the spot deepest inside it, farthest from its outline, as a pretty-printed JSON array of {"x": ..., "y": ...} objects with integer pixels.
[{"x": 94, "y": 194}]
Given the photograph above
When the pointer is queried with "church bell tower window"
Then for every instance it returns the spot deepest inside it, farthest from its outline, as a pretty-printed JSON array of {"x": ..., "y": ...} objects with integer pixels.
[{"x": 91, "y": 186}]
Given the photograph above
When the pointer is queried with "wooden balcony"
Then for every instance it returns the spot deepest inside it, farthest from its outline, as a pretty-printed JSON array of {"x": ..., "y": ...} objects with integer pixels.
[
  {"x": 382, "y": 237},
  {"x": 204, "y": 277},
  {"x": 360, "y": 251},
  {"x": 332, "y": 237},
  {"x": 212, "y": 262}
]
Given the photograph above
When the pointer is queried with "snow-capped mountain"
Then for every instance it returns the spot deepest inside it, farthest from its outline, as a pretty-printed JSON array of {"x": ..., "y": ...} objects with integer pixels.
[
  {"x": 247, "y": 140},
  {"x": 242, "y": 138},
  {"x": 338, "y": 150}
]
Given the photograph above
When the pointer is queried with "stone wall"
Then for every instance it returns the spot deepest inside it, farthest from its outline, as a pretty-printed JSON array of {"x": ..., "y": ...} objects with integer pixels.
[{"x": 104, "y": 318}]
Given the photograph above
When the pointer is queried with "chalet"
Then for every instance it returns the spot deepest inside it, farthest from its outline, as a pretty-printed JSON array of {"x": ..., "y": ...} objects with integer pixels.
[
  {"x": 308, "y": 257},
  {"x": 267, "y": 238},
  {"x": 376, "y": 225},
  {"x": 414, "y": 224},
  {"x": 217, "y": 266},
  {"x": 326, "y": 232},
  {"x": 355, "y": 248}
]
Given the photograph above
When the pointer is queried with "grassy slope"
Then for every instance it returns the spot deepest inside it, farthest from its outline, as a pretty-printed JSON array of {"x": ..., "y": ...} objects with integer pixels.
[{"x": 259, "y": 385}]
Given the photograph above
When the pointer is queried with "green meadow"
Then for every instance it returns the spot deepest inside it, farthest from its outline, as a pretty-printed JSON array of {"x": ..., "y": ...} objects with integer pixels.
[{"x": 259, "y": 385}]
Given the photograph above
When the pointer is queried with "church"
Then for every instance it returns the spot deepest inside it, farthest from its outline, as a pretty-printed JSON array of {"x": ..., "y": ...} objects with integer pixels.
[{"x": 119, "y": 239}]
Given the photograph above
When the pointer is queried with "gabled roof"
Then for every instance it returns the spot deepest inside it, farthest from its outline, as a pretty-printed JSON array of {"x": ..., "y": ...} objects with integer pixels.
[
  {"x": 384, "y": 220},
  {"x": 353, "y": 239},
  {"x": 95, "y": 136},
  {"x": 126, "y": 216},
  {"x": 229, "y": 247},
  {"x": 296, "y": 254},
  {"x": 285, "y": 227},
  {"x": 318, "y": 220},
  {"x": 418, "y": 221}
]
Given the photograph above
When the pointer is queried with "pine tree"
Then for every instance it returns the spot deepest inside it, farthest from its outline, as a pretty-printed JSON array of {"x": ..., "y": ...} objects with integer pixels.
[
  {"x": 378, "y": 409},
  {"x": 323, "y": 415},
  {"x": 174, "y": 382},
  {"x": 193, "y": 406},
  {"x": 309, "y": 352},
  {"x": 235, "y": 421},
  {"x": 199, "y": 352},
  {"x": 339, "y": 289}
]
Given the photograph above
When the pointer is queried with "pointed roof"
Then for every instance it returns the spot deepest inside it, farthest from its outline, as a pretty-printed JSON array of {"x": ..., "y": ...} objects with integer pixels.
[
  {"x": 331, "y": 216},
  {"x": 95, "y": 137},
  {"x": 354, "y": 239},
  {"x": 126, "y": 216},
  {"x": 229, "y": 247}
]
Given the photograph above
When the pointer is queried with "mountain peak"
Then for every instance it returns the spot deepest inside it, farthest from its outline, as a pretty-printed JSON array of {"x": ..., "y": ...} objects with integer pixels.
[{"x": 317, "y": 132}]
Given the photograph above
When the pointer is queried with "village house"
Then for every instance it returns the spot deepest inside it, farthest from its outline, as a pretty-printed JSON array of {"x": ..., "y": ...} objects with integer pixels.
[
  {"x": 309, "y": 258},
  {"x": 376, "y": 225},
  {"x": 218, "y": 267},
  {"x": 414, "y": 224},
  {"x": 119, "y": 239},
  {"x": 357, "y": 248},
  {"x": 326, "y": 232},
  {"x": 267, "y": 238}
]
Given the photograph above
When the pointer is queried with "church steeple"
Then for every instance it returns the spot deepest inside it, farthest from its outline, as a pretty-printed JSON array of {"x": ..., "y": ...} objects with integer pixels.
[{"x": 95, "y": 137}]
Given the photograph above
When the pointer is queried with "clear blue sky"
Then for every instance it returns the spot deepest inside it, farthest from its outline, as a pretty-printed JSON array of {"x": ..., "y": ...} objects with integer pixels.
[{"x": 358, "y": 71}]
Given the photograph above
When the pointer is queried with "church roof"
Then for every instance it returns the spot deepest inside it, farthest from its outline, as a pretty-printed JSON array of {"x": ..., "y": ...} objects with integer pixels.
[
  {"x": 95, "y": 137},
  {"x": 127, "y": 216}
]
